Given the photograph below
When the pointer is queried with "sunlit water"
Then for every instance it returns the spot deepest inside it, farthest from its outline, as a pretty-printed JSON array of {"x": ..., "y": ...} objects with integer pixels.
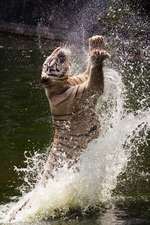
[{"x": 124, "y": 115}]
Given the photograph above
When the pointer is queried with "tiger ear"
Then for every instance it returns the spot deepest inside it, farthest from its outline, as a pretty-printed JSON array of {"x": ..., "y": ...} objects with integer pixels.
[{"x": 56, "y": 50}]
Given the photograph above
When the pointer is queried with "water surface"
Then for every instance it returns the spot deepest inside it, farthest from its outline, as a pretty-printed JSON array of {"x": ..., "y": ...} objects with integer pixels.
[
  {"x": 26, "y": 126},
  {"x": 24, "y": 113}
]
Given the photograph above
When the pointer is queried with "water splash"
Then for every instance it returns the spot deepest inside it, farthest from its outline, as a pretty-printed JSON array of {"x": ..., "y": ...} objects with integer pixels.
[
  {"x": 99, "y": 166},
  {"x": 123, "y": 110}
]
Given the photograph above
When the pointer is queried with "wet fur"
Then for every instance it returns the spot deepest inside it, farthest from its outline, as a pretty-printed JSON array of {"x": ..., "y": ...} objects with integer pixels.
[{"x": 72, "y": 101}]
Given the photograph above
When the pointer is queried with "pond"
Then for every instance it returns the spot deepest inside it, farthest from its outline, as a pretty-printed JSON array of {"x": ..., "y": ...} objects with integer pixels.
[{"x": 26, "y": 127}]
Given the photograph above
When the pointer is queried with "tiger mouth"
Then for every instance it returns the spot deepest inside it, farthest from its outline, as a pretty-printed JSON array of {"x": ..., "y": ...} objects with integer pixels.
[
  {"x": 54, "y": 73},
  {"x": 44, "y": 80}
]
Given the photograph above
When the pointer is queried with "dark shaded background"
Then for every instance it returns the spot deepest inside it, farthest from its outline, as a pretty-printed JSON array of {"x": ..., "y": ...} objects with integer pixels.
[{"x": 53, "y": 13}]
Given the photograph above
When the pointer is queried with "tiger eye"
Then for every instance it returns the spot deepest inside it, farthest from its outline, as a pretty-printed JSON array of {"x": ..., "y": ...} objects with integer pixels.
[{"x": 62, "y": 57}]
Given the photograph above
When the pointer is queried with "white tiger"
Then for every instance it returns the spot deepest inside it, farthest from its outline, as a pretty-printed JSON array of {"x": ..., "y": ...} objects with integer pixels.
[{"x": 72, "y": 101}]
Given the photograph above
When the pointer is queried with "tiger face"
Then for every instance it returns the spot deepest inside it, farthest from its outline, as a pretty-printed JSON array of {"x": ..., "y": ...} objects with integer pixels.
[{"x": 56, "y": 65}]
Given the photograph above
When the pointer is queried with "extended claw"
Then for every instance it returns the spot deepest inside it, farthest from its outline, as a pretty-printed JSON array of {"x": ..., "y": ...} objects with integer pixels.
[{"x": 98, "y": 56}]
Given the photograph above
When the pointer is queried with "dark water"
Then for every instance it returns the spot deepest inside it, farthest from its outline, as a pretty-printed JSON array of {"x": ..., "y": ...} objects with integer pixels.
[
  {"x": 26, "y": 126},
  {"x": 24, "y": 113}
]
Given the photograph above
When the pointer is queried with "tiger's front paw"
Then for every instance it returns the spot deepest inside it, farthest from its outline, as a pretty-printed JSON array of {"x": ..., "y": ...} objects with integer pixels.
[
  {"x": 96, "y": 42},
  {"x": 98, "y": 56}
]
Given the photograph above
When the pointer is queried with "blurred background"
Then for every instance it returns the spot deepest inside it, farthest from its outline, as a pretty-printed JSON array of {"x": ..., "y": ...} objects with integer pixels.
[
  {"x": 29, "y": 30},
  {"x": 48, "y": 18}
]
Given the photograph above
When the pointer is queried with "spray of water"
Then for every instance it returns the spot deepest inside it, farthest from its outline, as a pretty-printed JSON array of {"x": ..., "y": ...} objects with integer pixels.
[
  {"x": 120, "y": 119},
  {"x": 99, "y": 165}
]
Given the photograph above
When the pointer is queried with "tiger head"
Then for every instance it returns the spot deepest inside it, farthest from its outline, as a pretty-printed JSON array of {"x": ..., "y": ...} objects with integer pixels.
[{"x": 56, "y": 66}]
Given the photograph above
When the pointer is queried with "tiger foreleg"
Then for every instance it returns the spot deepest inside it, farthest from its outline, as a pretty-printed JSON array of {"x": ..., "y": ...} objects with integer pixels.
[{"x": 97, "y": 55}]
